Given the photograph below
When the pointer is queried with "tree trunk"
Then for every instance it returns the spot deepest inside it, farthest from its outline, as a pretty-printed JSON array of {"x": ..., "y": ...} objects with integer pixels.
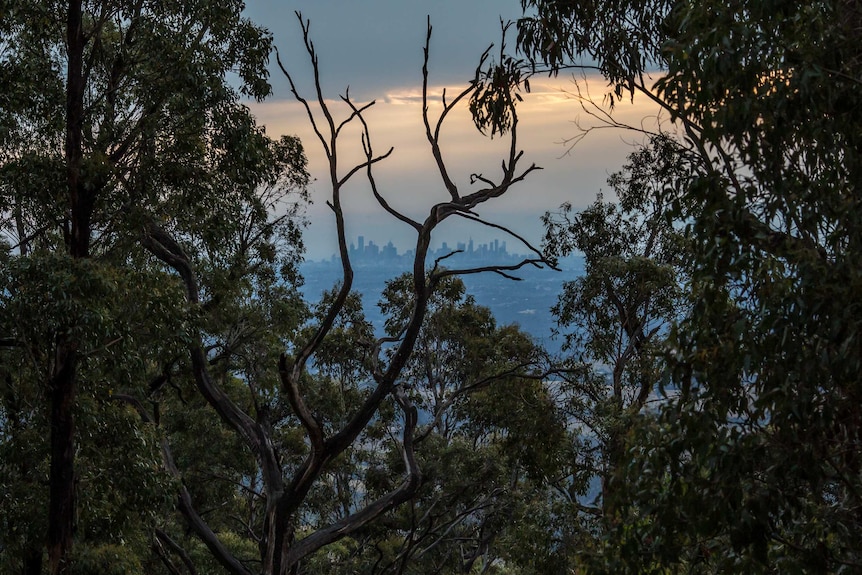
[
  {"x": 61, "y": 507},
  {"x": 32, "y": 563},
  {"x": 61, "y": 388}
]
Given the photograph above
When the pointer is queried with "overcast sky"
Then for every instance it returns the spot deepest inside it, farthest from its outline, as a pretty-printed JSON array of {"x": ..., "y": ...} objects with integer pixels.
[{"x": 375, "y": 48}]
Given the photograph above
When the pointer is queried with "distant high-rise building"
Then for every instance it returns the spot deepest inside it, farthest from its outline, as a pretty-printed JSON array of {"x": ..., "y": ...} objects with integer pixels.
[{"x": 364, "y": 252}]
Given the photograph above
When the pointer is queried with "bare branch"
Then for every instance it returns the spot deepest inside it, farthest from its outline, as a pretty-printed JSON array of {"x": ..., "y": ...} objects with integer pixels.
[
  {"x": 509, "y": 178},
  {"x": 434, "y": 137},
  {"x": 369, "y": 154},
  {"x": 309, "y": 47},
  {"x": 366, "y": 164},
  {"x": 359, "y": 519},
  {"x": 282, "y": 552},
  {"x": 357, "y": 112},
  {"x": 600, "y": 114},
  {"x": 498, "y": 269},
  {"x": 374, "y": 353},
  {"x": 305, "y": 104},
  {"x": 290, "y": 384},
  {"x": 518, "y": 237},
  {"x": 445, "y": 257}
]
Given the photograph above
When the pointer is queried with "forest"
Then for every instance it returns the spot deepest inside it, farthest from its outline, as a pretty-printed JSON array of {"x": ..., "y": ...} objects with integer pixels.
[{"x": 171, "y": 405}]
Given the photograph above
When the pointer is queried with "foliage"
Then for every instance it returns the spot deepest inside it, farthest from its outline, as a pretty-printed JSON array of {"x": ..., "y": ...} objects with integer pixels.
[
  {"x": 493, "y": 102},
  {"x": 103, "y": 155},
  {"x": 488, "y": 437},
  {"x": 166, "y": 393},
  {"x": 615, "y": 319},
  {"x": 624, "y": 40},
  {"x": 748, "y": 467},
  {"x": 108, "y": 560}
]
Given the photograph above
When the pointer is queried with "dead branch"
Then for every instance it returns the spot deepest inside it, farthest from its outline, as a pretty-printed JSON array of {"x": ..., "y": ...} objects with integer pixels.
[
  {"x": 497, "y": 269},
  {"x": 434, "y": 136},
  {"x": 508, "y": 231},
  {"x": 369, "y": 155},
  {"x": 357, "y": 520}
]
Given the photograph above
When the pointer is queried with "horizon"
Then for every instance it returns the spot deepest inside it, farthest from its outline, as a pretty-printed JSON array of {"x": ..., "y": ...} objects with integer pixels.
[
  {"x": 387, "y": 69},
  {"x": 492, "y": 250},
  {"x": 360, "y": 245}
]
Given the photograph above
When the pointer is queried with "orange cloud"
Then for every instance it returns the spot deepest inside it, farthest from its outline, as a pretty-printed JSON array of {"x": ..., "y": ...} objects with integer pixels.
[{"x": 551, "y": 119}]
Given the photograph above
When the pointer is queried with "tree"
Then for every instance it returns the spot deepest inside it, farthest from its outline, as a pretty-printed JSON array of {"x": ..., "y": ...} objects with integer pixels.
[
  {"x": 616, "y": 317},
  {"x": 157, "y": 235},
  {"x": 229, "y": 369},
  {"x": 491, "y": 434},
  {"x": 479, "y": 395},
  {"x": 288, "y": 480},
  {"x": 102, "y": 154},
  {"x": 749, "y": 467}
]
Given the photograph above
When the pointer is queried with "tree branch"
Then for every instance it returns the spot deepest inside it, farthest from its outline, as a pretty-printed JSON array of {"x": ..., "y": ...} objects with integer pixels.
[
  {"x": 434, "y": 137},
  {"x": 166, "y": 539},
  {"x": 197, "y": 524},
  {"x": 359, "y": 519}
]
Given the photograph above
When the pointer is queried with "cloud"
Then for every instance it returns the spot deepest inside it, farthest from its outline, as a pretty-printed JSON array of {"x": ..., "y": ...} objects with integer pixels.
[
  {"x": 549, "y": 117},
  {"x": 373, "y": 44}
]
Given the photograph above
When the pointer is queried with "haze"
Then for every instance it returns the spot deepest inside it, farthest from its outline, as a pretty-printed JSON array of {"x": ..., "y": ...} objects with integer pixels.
[{"x": 375, "y": 49}]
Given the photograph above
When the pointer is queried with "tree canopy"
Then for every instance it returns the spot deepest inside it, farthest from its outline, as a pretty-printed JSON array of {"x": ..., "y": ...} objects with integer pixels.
[
  {"x": 747, "y": 466},
  {"x": 169, "y": 402},
  {"x": 107, "y": 163}
]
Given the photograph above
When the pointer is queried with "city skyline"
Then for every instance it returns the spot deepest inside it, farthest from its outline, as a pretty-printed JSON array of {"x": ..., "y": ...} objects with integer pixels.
[
  {"x": 362, "y": 251},
  {"x": 387, "y": 68}
]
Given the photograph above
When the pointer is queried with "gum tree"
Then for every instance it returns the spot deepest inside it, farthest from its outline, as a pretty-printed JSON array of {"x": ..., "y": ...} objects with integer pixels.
[
  {"x": 616, "y": 318},
  {"x": 104, "y": 157},
  {"x": 749, "y": 466},
  {"x": 287, "y": 423},
  {"x": 487, "y": 434}
]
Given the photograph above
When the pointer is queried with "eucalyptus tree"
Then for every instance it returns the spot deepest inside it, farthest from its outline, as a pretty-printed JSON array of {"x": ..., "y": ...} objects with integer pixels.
[
  {"x": 149, "y": 307},
  {"x": 318, "y": 407},
  {"x": 749, "y": 468},
  {"x": 491, "y": 435},
  {"x": 487, "y": 436},
  {"x": 120, "y": 135},
  {"x": 615, "y": 319}
]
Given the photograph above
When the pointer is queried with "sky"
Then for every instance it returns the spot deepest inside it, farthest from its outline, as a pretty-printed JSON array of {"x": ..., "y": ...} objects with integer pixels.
[{"x": 374, "y": 47}]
